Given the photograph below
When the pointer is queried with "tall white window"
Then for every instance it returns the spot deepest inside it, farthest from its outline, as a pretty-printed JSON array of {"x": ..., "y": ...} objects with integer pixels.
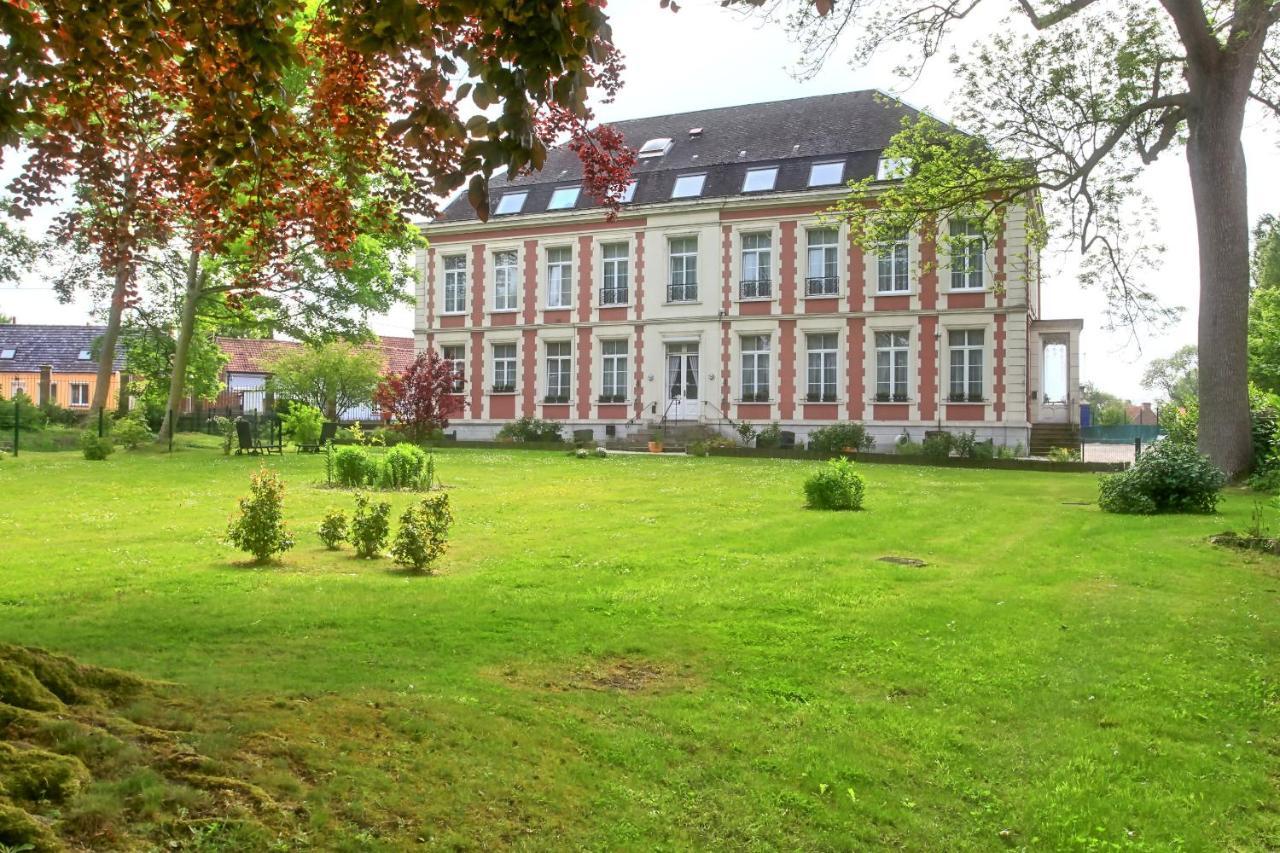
[
  {"x": 893, "y": 266},
  {"x": 455, "y": 284},
  {"x": 505, "y": 284},
  {"x": 966, "y": 364},
  {"x": 504, "y": 367},
  {"x": 613, "y": 385},
  {"x": 79, "y": 393},
  {"x": 756, "y": 254},
  {"x": 683, "y": 286},
  {"x": 755, "y": 368},
  {"x": 559, "y": 358},
  {"x": 968, "y": 254},
  {"x": 614, "y": 286},
  {"x": 823, "y": 275},
  {"x": 560, "y": 277},
  {"x": 891, "y": 366},
  {"x": 455, "y": 355},
  {"x": 823, "y": 352}
]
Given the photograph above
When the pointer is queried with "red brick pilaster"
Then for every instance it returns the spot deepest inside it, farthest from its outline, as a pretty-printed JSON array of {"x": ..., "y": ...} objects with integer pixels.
[
  {"x": 477, "y": 284},
  {"x": 529, "y": 372},
  {"x": 928, "y": 272},
  {"x": 856, "y": 277},
  {"x": 429, "y": 310},
  {"x": 726, "y": 269},
  {"x": 530, "y": 282},
  {"x": 854, "y": 368},
  {"x": 585, "y": 352},
  {"x": 787, "y": 259},
  {"x": 585, "y": 259},
  {"x": 998, "y": 388},
  {"x": 639, "y": 294},
  {"x": 928, "y": 368},
  {"x": 477, "y": 375},
  {"x": 787, "y": 365},
  {"x": 638, "y": 394}
]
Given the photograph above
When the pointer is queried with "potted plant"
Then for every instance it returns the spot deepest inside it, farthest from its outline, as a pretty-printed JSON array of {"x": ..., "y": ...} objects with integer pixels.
[{"x": 655, "y": 441}]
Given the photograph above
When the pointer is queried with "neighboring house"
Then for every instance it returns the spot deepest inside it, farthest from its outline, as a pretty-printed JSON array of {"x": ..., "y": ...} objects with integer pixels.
[
  {"x": 245, "y": 375},
  {"x": 54, "y": 364},
  {"x": 719, "y": 293},
  {"x": 1141, "y": 413}
]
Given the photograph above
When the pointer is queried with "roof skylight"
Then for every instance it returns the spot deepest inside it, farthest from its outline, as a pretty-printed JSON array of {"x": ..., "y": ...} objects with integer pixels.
[
  {"x": 84, "y": 355},
  {"x": 563, "y": 198},
  {"x": 892, "y": 168},
  {"x": 6, "y": 353},
  {"x": 511, "y": 202},
  {"x": 628, "y": 194},
  {"x": 688, "y": 186},
  {"x": 759, "y": 180},
  {"x": 826, "y": 174},
  {"x": 654, "y": 148}
]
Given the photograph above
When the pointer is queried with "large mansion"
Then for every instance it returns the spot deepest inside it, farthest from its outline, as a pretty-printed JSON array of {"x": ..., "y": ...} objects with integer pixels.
[{"x": 719, "y": 294}]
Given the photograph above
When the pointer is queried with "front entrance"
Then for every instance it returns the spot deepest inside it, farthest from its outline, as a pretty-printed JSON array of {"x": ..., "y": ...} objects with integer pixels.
[
  {"x": 682, "y": 402},
  {"x": 1055, "y": 395}
]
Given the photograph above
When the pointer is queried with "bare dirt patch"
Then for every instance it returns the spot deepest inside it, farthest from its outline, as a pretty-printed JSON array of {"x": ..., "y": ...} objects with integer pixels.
[{"x": 610, "y": 675}]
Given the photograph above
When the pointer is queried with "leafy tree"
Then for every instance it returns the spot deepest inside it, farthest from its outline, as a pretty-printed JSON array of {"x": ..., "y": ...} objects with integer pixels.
[
  {"x": 1176, "y": 377},
  {"x": 421, "y": 400},
  {"x": 1071, "y": 99},
  {"x": 1264, "y": 306},
  {"x": 332, "y": 377},
  {"x": 1108, "y": 409}
]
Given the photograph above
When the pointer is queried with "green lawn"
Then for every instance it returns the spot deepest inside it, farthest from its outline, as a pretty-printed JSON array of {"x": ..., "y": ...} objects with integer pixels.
[{"x": 670, "y": 652}]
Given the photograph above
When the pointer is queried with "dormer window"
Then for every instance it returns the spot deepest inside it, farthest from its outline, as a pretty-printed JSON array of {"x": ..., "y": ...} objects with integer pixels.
[
  {"x": 84, "y": 355},
  {"x": 6, "y": 353},
  {"x": 688, "y": 186},
  {"x": 892, "y": 168},
  {"x": 629, "y": 193},
  {"x": 654, "y": 148},
  {"x": 511, "y": 202},
  {"x": 563, "y": 198},
  {"x": 760, "y": 180},
  {"x": 826, "y": 174}
]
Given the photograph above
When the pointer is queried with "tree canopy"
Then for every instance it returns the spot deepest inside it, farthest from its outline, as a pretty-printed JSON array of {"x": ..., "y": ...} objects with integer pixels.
[{"x": 333, "y": 377}]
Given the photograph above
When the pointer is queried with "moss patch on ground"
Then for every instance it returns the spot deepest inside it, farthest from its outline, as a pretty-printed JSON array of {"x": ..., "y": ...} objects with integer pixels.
[{"x": 82, "y": 766}]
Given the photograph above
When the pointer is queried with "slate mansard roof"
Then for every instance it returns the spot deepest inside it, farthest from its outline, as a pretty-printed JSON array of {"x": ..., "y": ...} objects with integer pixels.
[
  {"x": 725, "y": 142},
  {"x": 60, "y": 346}
]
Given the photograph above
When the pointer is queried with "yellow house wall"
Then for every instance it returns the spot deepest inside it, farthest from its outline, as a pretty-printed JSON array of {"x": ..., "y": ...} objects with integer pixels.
[{"x": 31, "y": 384}]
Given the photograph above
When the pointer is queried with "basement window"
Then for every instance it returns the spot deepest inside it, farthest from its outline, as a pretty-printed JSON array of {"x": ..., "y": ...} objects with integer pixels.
[{"x": 511, "y": 203}]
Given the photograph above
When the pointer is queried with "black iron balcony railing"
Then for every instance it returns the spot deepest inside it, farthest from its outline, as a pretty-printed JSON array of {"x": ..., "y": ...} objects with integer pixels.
[
  {"x": 755, "y": 396},
  {"x": 828, "y": 285},
  {"x": 820, "y": 397},
  {"x": 613, "y": 296},
  {"x": 504, "y": 388},
  {"x": 612, "y": 398},
  {"x": 960, "y": 397},
  {"x": 556, "y": 398},
  {"x": 755, "y": 288},
  {"x": 885, "y": 397},
  {"x": 682, "y": 292}
]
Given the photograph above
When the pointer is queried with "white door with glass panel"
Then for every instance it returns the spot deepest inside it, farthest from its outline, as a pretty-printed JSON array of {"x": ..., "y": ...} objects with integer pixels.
[{"x": 682, "y": 401}]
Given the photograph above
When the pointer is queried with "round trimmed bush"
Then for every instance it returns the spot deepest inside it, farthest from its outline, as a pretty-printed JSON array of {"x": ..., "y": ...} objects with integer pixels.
[
  {"x": 1167, "y": 477},
  {"x": 835, "y": 485},
  {"x": 835, "y": 438}
]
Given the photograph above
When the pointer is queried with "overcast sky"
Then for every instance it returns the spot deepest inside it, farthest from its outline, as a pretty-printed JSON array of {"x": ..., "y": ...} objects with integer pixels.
[{"x": 705, "y": 57}]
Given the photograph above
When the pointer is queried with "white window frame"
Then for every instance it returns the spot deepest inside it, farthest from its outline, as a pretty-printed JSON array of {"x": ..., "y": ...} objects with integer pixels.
[
  {"x": 682, "y": 286},
  {"x": 764, "y": 179},
  {"x": 757, "y": 265},
  {"x": 613, "y": 370},
  {"x": 968, "y": 252},
  {"x": 828, "y": 173},
  {"x": 504, "y": 366},
  {"x": 893, "y": 264},
  {"x": 458, "y": 365},
  {"x": 754, "y": 384},
  {"x": 79, "y": 395},
  {"x": 822, "y": 260},
  {"x": 822, "y": 367},
  {"x": 559, "y": 261},
  {"x": 689, "y": 186},
  {"x": 515, "y": 205},
  {"x": 615, "y": 273},
  {"x": 966, "y": 377},
  {"x": 893, "y": 366},
  {"x": 567, "y": 198},
  {"x": 455, "y": 284},
  {"x": 506, "y": 280},
  {"x": 557, "y": 360}
]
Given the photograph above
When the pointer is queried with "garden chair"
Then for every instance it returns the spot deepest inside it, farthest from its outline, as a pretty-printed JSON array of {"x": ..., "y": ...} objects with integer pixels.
[
  {"x": 584, "y": 437},
  {"x": 786, "y": 440},
  {"x": 328, "y": 432},
  {"x": 251, "y": 445}
]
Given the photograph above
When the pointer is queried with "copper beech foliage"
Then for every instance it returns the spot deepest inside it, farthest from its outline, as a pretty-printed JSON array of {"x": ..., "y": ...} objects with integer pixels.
[
  {"x": 421, "y": 399},
  {"x": 267, "y": 120}
]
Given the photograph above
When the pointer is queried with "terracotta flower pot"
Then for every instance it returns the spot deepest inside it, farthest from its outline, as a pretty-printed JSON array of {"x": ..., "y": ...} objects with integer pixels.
[{"x": 655, "y": 447}]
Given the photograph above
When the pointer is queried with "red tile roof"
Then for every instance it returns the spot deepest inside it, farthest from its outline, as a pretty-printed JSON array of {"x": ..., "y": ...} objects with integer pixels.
[{"x": 248, "y": 355}]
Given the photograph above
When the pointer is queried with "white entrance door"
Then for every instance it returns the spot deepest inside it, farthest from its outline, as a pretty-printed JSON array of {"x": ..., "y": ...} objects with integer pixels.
[
  {"x": 682, "y": 383},
  {"x": 1055, "y": 405}
]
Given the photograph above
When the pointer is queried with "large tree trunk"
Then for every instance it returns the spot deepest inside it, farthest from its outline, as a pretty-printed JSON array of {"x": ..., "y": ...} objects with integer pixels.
[
  {"x": 1217, "y": 165},
  {"x": 182, "y": 346},
  {"x": 110, "y": 338}
]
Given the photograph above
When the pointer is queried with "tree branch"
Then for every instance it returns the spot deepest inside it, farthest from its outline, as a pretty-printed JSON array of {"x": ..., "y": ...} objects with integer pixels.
[{"x": 1058, "y": 15}]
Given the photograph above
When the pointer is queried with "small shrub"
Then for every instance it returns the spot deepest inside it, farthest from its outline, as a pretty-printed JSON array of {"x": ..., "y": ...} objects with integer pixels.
[
  {"x": 1167, "y": 477},
  {"x": 836, "y": 485},
  {"x": 908, "y": 448},
  {"x": 529, "y": 429},
  {"x": 835, "y": 438},
  {"x": 1266, "y": 479},
  {"x": 1064, "y": 454},
  {"x": 96, "y": 448},
  {"x": 582, "y": 453},
  {"x": 303, "y": 424},
  {"x": 369, "y": 526},
  {"x": 704, "y": 446},
  {"x": 407, "y": 466},
  {"x": 357, "y": 435},
  {"x": 333, "y": 528},
  {"x": 746, "y": 432},
  {"x": 424, "y": 531},
  {"x": 1004, "y": 451},
  {"x": 769, "y": 437},
  {"x": 352, "y": 467},
  {"x": 963, "y": 443},
  {"x": 132, "y": 430},
  {"x": 983, "y": 450},
  {"x": 937, "y": 447},
  {"x": 30, "y": 416},
  {"x": 260, "y": 529}
]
